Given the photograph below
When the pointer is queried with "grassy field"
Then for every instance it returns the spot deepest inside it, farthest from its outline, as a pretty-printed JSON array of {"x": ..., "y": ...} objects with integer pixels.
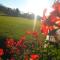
[{"x": 16, "y": 26}]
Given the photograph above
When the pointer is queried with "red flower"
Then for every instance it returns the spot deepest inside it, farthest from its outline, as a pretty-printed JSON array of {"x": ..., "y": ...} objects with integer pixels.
[
  {"x": 35, "y": 34},
  {"x": 1, "y": 52},
  {"x": 23, "y": 38},
  {"x": 51, "y": 28},
  {"x": 20, "y": 43},
  {"x": 44, "y": 29},
  {"x": 58, "y": 22},
  {"x": 34, "y": 56},
  {"x": 28, "y": 32},
  {"x": 10, "y": 42},
  {"x": 52, "y": 19}
]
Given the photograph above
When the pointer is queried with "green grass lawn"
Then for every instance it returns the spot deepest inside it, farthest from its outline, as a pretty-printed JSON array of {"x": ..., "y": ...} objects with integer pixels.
[{"x": 16, "y": 26}]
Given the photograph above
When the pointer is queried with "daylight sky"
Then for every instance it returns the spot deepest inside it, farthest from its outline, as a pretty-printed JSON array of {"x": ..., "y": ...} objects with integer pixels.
[{"x": 35, "y": 6}]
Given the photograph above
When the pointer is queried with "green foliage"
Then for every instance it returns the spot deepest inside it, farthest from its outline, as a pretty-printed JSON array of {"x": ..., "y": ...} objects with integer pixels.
[{"x": 16, "y": 26}]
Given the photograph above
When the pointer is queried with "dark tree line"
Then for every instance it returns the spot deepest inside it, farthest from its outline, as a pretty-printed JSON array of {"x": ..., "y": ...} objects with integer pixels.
[
  {"x": 16, "y": 12},
  {"x": 9, "y": 11}
]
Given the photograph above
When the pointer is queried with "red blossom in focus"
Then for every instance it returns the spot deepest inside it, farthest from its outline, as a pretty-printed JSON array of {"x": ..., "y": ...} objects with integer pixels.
[
  {"x": 34, "y": 56},
  {"x": 1, "y": 52}
]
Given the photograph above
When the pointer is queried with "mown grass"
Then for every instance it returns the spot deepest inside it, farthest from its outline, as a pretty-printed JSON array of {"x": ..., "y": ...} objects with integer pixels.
[{"x": 16, "y": 26}]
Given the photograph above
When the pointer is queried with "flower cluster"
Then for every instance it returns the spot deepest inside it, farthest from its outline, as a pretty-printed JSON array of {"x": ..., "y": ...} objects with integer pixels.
[
  {"x": 1, "y": 52},
  {"x": 51, "y": 22},
  {"x": 15, "y": 49}
]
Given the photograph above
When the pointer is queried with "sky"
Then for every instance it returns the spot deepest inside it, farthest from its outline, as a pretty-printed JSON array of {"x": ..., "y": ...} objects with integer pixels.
[{"x": 31, "y": 6}]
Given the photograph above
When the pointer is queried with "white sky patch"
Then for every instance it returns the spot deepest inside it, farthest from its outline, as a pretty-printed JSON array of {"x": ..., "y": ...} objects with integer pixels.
[{"x": 37, "y": 6}]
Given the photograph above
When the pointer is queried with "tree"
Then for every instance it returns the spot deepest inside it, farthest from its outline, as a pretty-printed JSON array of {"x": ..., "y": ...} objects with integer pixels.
[{"x": 17, "y": 12}]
